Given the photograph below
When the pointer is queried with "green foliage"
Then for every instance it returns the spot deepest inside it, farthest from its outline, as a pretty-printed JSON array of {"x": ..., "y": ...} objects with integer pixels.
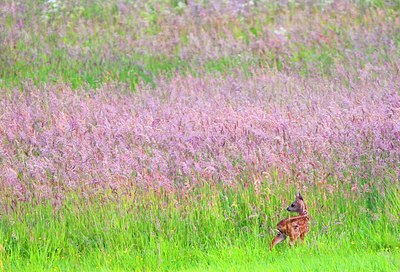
[
  {"x": 208, "y": 228},
  {"x": 95, "y": 42},
  {"x": 212, "y": 228}
]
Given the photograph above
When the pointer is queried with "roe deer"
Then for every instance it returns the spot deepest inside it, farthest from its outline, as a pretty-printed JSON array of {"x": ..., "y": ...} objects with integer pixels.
[{"x": 294, "y": 227}]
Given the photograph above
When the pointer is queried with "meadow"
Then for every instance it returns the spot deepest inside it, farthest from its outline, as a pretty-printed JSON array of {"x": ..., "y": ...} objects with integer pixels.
[{"x": 166, "y": 135}]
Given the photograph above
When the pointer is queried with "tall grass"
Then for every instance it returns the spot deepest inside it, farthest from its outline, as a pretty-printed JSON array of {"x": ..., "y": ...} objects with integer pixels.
[
  {"x": 94, "y": 42},
  {"x": 193, "y": 130},
  {"x": 212, "y": 227},
  {"x": 170, "y": 135}
]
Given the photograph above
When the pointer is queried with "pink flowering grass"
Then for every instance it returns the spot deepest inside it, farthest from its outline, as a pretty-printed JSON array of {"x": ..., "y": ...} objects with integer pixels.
[
  {"x": 171, "y": 135},
  {"x": 307, "y": 131}
]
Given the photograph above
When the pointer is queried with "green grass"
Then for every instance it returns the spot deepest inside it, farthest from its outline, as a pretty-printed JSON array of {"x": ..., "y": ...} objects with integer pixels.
[
  {"x": 93, "y": 42},
  {"x": 59, "y": 68},
  {"x": 209, "y": 229},
  {"x": 131, "y": 71}
]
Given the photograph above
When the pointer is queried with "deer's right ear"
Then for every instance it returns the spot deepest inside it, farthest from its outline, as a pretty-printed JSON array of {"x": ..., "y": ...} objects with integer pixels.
[{"x": 299, "y": 196}]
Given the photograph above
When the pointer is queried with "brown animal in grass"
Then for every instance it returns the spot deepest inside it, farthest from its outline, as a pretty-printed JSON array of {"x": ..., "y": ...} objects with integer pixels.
[{"x": 294, "y": 227}]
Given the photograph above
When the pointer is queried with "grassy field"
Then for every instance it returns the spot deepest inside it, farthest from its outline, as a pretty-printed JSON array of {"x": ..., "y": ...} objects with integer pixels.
[
  {"x": 210, "y": 228},
  {"x": 94, "y": 42},
  {"x": 171, "y": 135}
]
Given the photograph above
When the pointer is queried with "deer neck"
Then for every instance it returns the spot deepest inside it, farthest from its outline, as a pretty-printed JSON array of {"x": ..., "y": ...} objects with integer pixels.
[{"x": 303, "y": 210}]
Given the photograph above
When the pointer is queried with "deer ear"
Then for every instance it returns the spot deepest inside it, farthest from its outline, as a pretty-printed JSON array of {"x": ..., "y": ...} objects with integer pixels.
[{"x": 299, "y": 196}]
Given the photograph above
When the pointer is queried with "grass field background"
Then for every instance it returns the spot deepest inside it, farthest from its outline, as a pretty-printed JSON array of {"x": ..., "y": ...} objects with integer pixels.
[
  {"x": 172, "y": 135},
  {"x": 207, "y": 229}
]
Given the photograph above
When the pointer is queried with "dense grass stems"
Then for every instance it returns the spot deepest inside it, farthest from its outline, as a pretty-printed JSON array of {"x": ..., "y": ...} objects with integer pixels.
[
  {"x": 194, "y": 130},
  {"x": 93, "y": 42},
  {"x": 171, "y": 135},
  {"x": 210, "y": 228}
]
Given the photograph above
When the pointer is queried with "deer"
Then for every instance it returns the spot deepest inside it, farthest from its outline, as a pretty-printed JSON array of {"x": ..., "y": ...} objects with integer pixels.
[{"x": 294, "y": 227}]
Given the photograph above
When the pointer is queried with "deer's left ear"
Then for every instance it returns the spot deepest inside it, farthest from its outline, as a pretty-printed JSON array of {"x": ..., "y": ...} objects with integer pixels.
[{"x": 299, "y": 196}]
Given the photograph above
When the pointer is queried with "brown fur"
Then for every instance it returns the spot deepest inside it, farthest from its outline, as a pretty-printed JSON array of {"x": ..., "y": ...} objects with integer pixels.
[{"x": 294, "y": 227}]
